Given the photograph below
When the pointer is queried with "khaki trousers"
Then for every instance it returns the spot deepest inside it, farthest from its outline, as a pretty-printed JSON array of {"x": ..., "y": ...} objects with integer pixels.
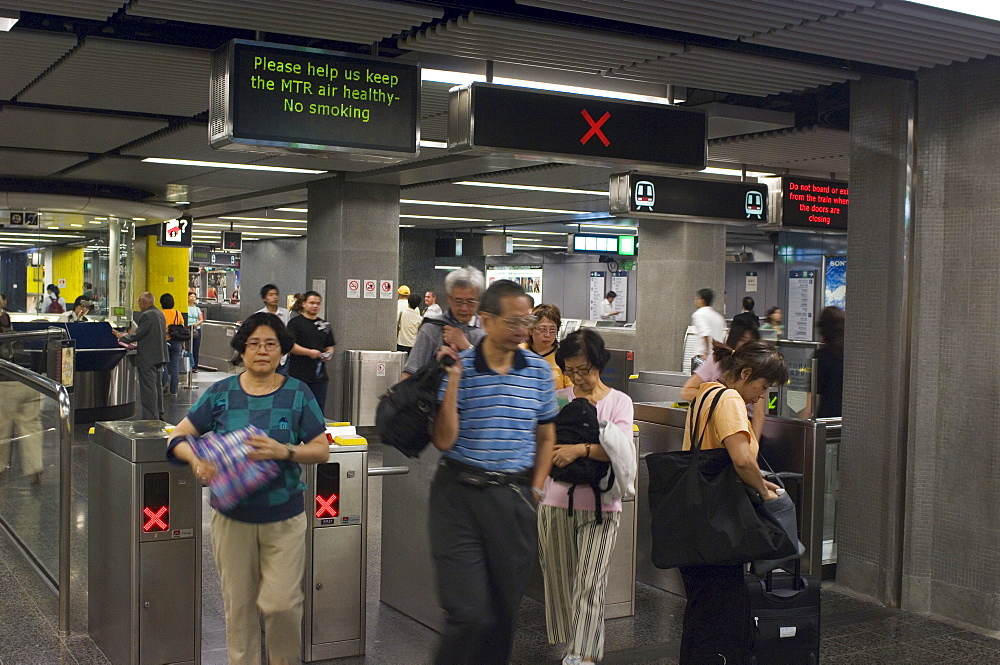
[
  {"x": 21, "y": 423},
  {"x": 260, "y": 569}
]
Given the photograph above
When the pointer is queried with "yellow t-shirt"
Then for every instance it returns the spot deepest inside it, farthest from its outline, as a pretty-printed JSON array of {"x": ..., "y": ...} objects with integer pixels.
[
  {"x": 730, "y": 417},
  {"x": 559, "y": 379}
]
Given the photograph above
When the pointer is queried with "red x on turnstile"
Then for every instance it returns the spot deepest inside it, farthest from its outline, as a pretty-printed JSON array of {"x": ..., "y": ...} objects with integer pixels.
[
  {"x": 595, "y": 128},
  {"x": 154, "y": 519},
  {"x": 326, "y": 505}
]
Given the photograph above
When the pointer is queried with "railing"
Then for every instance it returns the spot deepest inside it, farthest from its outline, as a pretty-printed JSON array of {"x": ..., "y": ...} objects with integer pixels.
[{"x": 60, "y": 581}]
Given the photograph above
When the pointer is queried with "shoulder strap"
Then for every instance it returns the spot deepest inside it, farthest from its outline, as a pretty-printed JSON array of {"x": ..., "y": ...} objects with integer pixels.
[{"x": 718, "y": 393}]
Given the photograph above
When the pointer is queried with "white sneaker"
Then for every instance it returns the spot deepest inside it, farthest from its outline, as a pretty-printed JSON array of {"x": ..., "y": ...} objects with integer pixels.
[{"x": 572, "y": 660}]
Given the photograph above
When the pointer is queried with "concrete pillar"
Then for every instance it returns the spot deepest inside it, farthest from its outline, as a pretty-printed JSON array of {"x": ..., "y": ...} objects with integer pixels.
[
  {"x": 353, "y": 234},
  {"x": 873, "y": 454},
  {"x": 675, "y": 260},
  {"x": 416, "y": 260}
]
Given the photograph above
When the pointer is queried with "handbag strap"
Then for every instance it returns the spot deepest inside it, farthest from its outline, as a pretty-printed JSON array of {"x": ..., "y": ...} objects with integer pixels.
[{"x": 696, "y": 446}]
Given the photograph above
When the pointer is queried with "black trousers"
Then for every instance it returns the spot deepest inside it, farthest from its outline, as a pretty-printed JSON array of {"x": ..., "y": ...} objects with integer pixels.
[
  {"x": 484, "y": 540},
  {"x": 717, "y": 625}
]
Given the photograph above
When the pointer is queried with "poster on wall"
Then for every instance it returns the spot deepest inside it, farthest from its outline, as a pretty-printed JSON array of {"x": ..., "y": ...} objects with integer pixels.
[
  {"x": 529, "y": 277},
  {"x": 596, "y": 293},
  {"x": 801, "y": 295},
  {"x": 834, "y": 281},
  {"x": 619, "y": 284}
]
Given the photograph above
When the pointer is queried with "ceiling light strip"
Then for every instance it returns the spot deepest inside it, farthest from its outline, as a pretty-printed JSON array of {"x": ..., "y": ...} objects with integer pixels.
[
  {"x": 455, "y": 204},
  {"x": 228, "y": 165},
  {"x": 533, "y": 188}
]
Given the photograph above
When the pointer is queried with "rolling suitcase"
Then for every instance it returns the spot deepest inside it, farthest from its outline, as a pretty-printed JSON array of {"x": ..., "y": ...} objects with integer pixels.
[{"x": 785, "y": 608}]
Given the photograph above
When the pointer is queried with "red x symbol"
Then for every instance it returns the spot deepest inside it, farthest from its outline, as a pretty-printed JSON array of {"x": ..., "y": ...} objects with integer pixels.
[
  {"x": 595, "y": 128},
  {"x": 326, "y": 506},
  {"x": 154, "y": 519}
]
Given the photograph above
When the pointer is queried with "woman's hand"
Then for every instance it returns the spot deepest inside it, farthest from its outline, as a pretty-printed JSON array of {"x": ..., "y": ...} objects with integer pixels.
[
  {"x": 264, "y": 447},
  {"x": 203, "y": 470},
  {"x": 566, "y": 454}
]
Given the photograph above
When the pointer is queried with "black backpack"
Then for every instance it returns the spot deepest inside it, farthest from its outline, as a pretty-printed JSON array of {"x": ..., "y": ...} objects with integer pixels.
[
  {"x": 577, "y": 423},
  {"x": 404, "y": 413}
]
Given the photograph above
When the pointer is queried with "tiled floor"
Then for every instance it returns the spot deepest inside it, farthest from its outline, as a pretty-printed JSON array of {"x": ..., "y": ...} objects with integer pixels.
[{"x": 854, "y": 632}]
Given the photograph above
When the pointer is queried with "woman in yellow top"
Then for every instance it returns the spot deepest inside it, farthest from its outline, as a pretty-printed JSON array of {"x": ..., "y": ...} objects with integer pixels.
[
  {"x": 717, "y": 624},
  {"x": 542, "y": 340},
  {"x": 171, "y": 371}
]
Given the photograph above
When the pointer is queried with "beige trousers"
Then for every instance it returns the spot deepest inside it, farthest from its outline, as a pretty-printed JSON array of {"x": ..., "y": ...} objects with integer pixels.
[
  {"x": 260, "y": 568},
  {"x": 21, "y": 423}
]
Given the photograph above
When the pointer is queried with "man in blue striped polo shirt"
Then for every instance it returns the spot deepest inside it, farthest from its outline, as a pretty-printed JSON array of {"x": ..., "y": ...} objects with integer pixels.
[{"x": 494, "y": 425}]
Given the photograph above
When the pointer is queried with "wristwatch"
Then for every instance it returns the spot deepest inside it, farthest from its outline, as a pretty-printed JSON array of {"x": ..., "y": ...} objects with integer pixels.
[{"x": 291, "y": 454}]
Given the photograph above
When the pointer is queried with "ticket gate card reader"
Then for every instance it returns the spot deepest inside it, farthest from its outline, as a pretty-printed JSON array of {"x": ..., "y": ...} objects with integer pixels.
[{"x": 144, "y": 538}]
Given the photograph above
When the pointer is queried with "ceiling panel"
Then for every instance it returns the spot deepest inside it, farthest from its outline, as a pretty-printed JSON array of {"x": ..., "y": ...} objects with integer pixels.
[
  {"x": 248, "y": 179},
  {"x": 727, "y": 19},
  {"x": 26, "y": 54},
  {"x": 814, "y": 149},
  {"x": 34, "y": 164},
  {"x": 359, "y": 21},
  {"x": 189, "y": 141},
  {"x": 129, "y": 171},
  {"x": 544, "y": 45},
  {"x": 128, "y": 76},
  {"x": 712, "y": 69},
  {"x": 95, "y": 10},
  {"x": 72, "y": 132}
]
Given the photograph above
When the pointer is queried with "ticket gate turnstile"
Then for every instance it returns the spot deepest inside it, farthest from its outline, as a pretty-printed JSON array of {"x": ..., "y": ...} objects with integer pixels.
[
  {"x": 144, "y": 538},
  {"x": 335, "y": 584}
]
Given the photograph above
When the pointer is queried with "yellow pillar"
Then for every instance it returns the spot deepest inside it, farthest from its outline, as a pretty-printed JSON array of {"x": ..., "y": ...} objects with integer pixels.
[
  {"x": 67, "y": 263},
  {"x": 166, "y": 272}
]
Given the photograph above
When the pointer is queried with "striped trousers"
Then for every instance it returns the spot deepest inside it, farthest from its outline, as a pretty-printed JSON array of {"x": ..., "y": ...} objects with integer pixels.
[{"x": 575, "y": 553}]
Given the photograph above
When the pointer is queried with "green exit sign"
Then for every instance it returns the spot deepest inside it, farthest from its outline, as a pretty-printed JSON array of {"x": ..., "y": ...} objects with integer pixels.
[{"x": 626, "y": 245}]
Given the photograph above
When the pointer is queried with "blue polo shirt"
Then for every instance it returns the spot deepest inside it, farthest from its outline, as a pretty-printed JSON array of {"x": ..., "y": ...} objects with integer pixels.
[{"x": 498, "y": 413}]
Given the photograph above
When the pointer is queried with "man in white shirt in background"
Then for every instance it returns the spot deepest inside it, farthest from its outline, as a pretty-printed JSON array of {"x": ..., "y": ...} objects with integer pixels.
[
  {"x": 607, "y": 310},
  {"x": 270, "y": 295},
  {"x": 708, "y": 324},
  {"x": 433, "y": 310}
]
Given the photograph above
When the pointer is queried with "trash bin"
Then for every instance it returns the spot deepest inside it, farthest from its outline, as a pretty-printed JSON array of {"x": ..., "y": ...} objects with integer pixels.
[{"x": 144, "y": 538}]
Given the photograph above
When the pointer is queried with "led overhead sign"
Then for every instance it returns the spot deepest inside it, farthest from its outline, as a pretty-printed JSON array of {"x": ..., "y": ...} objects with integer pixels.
[
  {"x": 277, "y": 98},
  {"x": 598, "y": 244},
  {"x": 816, "y": 205},
  {"x": 495, "y": 119},
  {"x": 685, "y": 199}
]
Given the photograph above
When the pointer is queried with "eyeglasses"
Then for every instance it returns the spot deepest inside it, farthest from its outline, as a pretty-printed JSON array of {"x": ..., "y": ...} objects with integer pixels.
[
  {"x": 269, "y": 345},
  {"x": 545, "y": 330},
  {"x": 580, "y": 371},
  {"x": 464, "y": 302},
  {"x": 515, "y": 324}
]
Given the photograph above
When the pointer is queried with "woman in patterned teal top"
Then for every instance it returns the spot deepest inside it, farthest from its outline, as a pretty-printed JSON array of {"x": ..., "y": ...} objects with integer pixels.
[{"x": 259, "y": 544}]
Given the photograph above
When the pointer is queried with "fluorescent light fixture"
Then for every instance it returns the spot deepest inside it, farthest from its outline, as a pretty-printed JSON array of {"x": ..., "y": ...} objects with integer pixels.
[
  {"x": 8, "y": 19},
  {"x": 292, "y": 209},
  {"x": 990, "y": 10},
  {"x": 463, "y": 78},
  {"x": 226, "y": 165},
  {"x": 537, "y": 233},
  {"x": 455, "y": 204},
  {"x": 77, "y": 226},
  {"x": 93, "y": 222},
  {"x": 263, "y": 219},
  {"x": 736, "y": 172},
  {"x": 261, "y": 233},
  {"x": 407, "y": 226},
  {"x": 447, "y": 267},
  {"x": 517, "y": 244},
  {"x": 533, "y": 188},
  {"x": 225, "y": 227},
  {"x": 138, "y": 219},
  {"x": 452, "y": 219},
  {"x": 433, "y": 144},
  {"x": 38, "y": 237}
]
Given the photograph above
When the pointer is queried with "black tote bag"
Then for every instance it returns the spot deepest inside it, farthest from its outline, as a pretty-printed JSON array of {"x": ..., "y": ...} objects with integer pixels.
[{"x": 702, "y": 513}]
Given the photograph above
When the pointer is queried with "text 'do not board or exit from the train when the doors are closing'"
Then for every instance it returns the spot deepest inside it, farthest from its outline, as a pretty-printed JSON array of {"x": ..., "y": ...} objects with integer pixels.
[
  {"x": 301, "y": 100},
  {"x": 814, "y": 204}
]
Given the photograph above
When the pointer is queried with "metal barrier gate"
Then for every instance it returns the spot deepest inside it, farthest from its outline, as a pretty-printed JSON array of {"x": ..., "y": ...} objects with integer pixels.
[{"x": 144, "y": 538}]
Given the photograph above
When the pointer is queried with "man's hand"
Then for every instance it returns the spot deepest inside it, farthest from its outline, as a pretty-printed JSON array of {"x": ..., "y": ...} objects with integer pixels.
[
  {"x": 455, "y": 368},
  {"x": 455, "y": 338}
]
